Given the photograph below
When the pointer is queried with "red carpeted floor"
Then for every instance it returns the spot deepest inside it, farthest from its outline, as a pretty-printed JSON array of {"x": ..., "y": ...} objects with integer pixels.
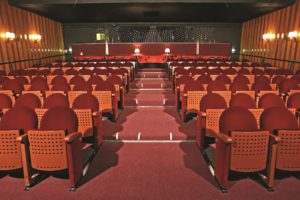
[{"x": 145, "y": 171}]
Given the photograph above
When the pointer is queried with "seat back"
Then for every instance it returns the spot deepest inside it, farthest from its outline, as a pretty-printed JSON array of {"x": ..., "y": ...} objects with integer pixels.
[
  {"x": 104, "y": 99},
  {"x": 10, "y": 150},
  {"x": 288, "y": 150},
  {"x": 48, "y": 150},
  {"x": 194, "y": 99},
  {"x": 249, "y": 151}
]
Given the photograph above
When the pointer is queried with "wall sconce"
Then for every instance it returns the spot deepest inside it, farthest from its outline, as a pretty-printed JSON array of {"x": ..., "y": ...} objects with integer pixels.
[
  {"x": 269, "y": 36},
  {"x": 293, "y": 35},
  {"x": 35, "y": 37},
  {"x": 137, "y": 51},
  {"x": 10, "y": 36},
  {"x": 167, "y": 50},
  {"x": 81, "y": 53}
]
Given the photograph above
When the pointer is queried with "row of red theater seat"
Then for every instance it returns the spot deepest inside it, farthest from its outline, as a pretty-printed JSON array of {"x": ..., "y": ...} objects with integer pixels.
[
  {"x": 48, "y": 143},
  {"x": 42, "y": 83},
  {"x": 189, "y": 92},
  {"x": 216, "y": 63},
  {"x": 247, "y": 145},
  {"x": 84, "y": 64},
  {"x": 231, "y": 71},
  {"x": 68, "y": 71}
]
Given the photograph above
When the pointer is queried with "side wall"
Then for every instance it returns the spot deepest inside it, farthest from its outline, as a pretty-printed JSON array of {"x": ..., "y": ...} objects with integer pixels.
[
  {"x": 23, "y": 23},
  {"x": 279, "y": 22}
]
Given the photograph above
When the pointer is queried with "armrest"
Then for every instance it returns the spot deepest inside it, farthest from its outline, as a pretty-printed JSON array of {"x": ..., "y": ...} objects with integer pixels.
[
  {"x": 284, "y": 94},
  {"x": 97, "y": 113},
  {"x": 23, "y": 138},
  {"x": 224, "y": 138},
  {"x": 274, "y": 139},
  {"x": 72, "y": 137},
  {"x": 202, "y": 114}
]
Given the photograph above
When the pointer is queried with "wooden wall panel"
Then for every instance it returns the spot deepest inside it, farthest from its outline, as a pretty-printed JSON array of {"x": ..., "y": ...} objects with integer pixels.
[
  {"x": 279, "y": 22},
  {"x": 23, "y": 23}
]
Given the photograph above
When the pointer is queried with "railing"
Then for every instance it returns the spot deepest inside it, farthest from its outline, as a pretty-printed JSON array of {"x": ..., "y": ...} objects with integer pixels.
[
  {"x": 39, "y": 60},
  {"x": 293, "y": 64}
]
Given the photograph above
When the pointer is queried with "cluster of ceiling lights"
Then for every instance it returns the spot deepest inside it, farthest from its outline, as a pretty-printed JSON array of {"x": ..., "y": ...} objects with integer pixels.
[
  {"x": 294, "y": 35},
  {"x": 9, "y": 36}
]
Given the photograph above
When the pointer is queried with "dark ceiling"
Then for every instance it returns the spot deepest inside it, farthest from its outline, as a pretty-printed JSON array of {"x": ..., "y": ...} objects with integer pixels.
[{"x": 80, "y": 11}]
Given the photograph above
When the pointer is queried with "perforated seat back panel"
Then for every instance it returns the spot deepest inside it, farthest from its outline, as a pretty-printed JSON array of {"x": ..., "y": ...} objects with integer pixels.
[
  {"x": 105, "y": 101},
  {"x": 288, "y": 152},
  {"x": 225, "y": 94},
  {"x": 40, "y": 113},
  {"x": 249, "y": 151},
  {"x": 48, "y": 150},
  {"x": 85, "y": 122},
  {"x": 72, "y": 95},
  {"x": 212, "y": 121},
  {"x": 193, "y": 99},
  {"x": 10, "y": 152}
]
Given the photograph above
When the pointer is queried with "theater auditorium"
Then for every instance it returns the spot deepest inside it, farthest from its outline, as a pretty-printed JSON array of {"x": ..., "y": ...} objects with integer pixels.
[{"x": 150, "y": 99}]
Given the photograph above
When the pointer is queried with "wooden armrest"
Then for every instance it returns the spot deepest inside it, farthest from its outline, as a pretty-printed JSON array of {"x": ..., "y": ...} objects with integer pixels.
[
  {"x": 72, "y": 137},
  {"x": 22, "y": 138},
  {"x": 97, "y": 113},
  {"x": 202, "y": 114},
  {"x": 283, "y": 94},
  {"x": 274, "y": 138},
  {"x": 225, "y": 138}
]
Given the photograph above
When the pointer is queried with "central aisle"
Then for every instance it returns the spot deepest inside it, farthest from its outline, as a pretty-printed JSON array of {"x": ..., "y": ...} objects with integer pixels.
[{"x": 150, "y": 112}]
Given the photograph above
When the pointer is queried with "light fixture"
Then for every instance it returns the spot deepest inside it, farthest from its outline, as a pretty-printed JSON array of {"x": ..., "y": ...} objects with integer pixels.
[
  {"x": 35, "y": 37},
  {"x": 137, "y": 51},
  {"x": 100, "y": 36},
  {"x": 10, "y": 36},
  {"x": 269, "y": 36},
  {"x": 167, "y": 50},
  {"x": 293, "y": 35},
  {"x": 70, "y": 49},
  {"x": 233, "y": 50},
  {"x": 81, "y": 53}
]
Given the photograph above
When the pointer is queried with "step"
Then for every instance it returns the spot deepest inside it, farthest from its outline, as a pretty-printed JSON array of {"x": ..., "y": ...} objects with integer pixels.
[
  {"x": 152, "y": 123},
  {"x": 150, "y": 98},
  {"x": 155, "y": 84},
  {"x": 151, "y": 75},
  {"x": 152, "y": 70}
]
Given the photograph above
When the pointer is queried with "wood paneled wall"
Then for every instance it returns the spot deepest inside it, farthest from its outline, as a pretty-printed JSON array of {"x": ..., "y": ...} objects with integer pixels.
[
  {"x": 279, "y": 22},
  {"x": 23, "y": 23}
]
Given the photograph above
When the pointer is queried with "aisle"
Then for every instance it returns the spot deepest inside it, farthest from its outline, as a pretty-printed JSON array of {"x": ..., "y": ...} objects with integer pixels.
[{"x": 150, "y": 112}]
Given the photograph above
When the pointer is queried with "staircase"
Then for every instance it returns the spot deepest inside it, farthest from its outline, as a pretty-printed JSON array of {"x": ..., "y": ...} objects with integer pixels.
[{"x": 150, "y": 112}]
